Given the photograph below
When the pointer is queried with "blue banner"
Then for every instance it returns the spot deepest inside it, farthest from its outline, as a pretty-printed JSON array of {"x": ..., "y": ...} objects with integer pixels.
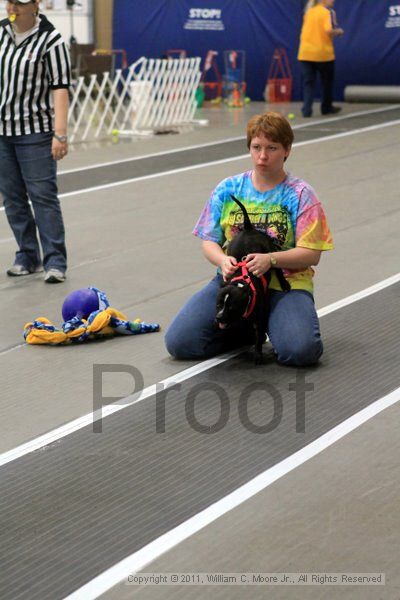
[
  {"x": 150, "y": 28},
  {"x": 368, "y": 53}
]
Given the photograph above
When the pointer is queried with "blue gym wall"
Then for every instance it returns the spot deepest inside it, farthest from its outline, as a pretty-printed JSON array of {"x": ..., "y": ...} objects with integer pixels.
[{"x": 368, "y": 53}]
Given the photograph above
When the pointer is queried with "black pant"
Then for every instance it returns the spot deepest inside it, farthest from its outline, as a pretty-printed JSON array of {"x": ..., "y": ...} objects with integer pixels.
[{"x": 310, "y": 70}]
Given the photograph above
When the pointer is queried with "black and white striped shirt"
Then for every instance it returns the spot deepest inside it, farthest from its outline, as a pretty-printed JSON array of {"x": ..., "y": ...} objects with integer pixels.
[{"x": 28, "y": 73}]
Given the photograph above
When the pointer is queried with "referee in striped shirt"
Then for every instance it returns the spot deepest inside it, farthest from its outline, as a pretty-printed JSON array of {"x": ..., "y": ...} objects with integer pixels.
[{"x": 34, "y": 81}]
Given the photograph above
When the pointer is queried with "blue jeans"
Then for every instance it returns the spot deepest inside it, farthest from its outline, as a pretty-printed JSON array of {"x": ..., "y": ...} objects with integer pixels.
[
  {"x": 27, "y": 169},
  {"x": 293, "y": 328},
  {"x": 309, "y": 71}
]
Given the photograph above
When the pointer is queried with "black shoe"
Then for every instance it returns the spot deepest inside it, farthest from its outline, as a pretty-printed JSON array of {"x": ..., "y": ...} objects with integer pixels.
[
  {"x": 332, "y": 110},
  {"x": 306, "y": 114}
]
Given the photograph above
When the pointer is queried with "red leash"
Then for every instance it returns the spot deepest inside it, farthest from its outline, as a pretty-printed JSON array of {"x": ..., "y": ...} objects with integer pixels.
[{"x": 245, "y": 277}]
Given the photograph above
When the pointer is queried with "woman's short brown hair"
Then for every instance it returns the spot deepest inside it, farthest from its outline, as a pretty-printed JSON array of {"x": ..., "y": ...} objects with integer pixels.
[{"x": 273, "y": 125}]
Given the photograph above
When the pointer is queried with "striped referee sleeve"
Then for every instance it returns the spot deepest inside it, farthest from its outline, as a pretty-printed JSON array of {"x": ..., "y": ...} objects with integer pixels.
[{"x": 58, "y": 62}]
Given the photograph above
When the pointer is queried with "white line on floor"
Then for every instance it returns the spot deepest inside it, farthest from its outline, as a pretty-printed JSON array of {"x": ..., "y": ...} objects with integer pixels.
[
  {"x": 232, "y": 139},
  {"x": 68, "y": 428},
  {"x": 222, "y": 161},
  {"x": 226, "y": 160},
  {"x": 138, "y": 560},
  {"x": 3, "y": 352},
  {"x": 377, "y": 287}
]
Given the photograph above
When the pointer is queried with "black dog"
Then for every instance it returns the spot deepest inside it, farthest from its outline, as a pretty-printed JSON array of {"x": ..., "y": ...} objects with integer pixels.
[{"x": 245, "y": 295}]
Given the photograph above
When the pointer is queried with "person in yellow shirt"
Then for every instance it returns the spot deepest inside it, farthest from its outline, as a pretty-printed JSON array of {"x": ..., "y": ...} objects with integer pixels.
[{"x": 316, "y": 54}]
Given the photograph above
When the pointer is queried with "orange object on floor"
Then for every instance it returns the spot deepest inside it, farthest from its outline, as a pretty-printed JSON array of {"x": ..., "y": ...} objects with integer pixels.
[{"x": 236, "y": 98}]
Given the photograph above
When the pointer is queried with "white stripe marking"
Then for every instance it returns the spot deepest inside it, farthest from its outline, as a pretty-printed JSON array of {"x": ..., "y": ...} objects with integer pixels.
[
  {"x": 221, "y": 161},
  {"x": 3, "y": 352},
  {"x": 226, "y": 160},
  {"x": 232, "y": 139},
  {"x": 152, "y": 155},
  {"x": 72, "y": 426},
  {"x": 377, "y": 287},
  {"x": 136, "y": 561}
]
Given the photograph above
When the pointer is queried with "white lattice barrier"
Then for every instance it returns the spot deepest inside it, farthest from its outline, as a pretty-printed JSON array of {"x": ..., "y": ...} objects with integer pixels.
[{"x": 152, "y": 95}]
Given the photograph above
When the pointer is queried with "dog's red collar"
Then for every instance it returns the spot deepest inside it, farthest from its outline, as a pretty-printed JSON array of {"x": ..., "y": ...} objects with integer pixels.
[{"x": 245, "y": 277}]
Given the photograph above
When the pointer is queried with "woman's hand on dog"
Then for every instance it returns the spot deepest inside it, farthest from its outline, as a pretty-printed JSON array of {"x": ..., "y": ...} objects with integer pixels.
[
  {"x": 228, "y": 267},
  {"x": 258, "y": 264}
]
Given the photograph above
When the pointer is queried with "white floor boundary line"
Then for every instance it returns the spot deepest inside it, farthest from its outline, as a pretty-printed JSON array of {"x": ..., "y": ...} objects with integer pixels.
[
  {"x": 65, "y": 430},
  {"x": 377, "y": 287},
  {"x": 225, "y": 160},
  {"x": 326, "y": 138},
  {"x": 226, "y": 140},
  {"x": 152, "y": 155},
  {"x": 138, "y": 560},
  {"x": 8, "y": 350}
]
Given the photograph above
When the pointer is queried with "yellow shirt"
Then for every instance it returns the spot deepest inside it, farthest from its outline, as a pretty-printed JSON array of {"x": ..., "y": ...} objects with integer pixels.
[{"x": 315, "y": 42}]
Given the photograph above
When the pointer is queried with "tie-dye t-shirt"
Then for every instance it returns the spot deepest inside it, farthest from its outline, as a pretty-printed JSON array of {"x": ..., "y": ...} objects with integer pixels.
[{"x": 290, "y": 213}]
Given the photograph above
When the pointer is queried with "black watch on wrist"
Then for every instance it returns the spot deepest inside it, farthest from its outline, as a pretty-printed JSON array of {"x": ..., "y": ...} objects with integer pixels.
[{"x": 61, "y": 138}]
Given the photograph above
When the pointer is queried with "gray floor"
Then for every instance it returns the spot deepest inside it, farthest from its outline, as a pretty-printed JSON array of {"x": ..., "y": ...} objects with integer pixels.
[
  {"x": 337, "y": 513},
  {"x": 129, "y": 241}
]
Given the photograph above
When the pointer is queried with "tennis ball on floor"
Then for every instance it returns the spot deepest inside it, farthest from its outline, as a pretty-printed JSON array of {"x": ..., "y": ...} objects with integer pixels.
[{"x": 291, "y": 116}]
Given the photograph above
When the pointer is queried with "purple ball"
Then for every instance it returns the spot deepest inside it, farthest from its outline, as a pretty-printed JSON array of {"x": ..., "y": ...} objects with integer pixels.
[{"x": 80, "y": 304}]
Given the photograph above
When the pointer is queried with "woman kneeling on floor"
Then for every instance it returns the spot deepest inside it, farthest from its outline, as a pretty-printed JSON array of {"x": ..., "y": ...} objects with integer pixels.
[{"x": 288, "y": 210}]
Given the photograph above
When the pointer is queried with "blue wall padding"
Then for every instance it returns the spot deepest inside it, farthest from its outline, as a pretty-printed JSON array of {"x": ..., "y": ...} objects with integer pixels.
[{"x": 368, "y": 53}]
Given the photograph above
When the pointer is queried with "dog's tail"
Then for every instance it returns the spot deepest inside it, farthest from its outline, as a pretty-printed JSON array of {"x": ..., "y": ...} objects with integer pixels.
[{"x": 246, "y": 221}]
